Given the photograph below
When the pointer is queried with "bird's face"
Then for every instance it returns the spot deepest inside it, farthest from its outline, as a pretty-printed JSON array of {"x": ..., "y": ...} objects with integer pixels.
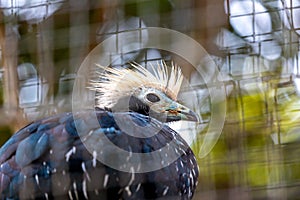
[{"x": 157, "y": 104}]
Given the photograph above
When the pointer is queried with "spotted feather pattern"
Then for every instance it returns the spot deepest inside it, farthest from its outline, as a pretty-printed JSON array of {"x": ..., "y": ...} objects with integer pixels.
[{"x": 47, "y": 160}]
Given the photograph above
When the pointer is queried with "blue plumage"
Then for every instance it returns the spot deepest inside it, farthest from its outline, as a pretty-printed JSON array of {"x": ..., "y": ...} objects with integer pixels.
[
  {"x": 47, "y": 160},
  {"x": 31, "y": 148},
  {"x": 126, "y": 154}
]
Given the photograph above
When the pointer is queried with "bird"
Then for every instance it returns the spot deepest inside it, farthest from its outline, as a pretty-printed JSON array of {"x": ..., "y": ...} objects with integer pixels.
[{"x": 52, "y": 159}]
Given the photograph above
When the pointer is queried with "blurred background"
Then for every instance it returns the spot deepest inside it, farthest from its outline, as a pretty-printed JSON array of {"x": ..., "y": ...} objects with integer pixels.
[{"x": 254, "y": 43}]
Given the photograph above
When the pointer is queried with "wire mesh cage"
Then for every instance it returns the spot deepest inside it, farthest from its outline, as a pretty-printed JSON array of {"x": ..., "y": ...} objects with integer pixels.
[{"x": 254, "y": 43}]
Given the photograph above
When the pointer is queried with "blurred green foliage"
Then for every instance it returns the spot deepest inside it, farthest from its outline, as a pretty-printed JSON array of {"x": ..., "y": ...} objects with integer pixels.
[
  {"x": 147, "y": 7},
  {"x": 5, "y": 134},
  {"x": 247, "y": 155}
]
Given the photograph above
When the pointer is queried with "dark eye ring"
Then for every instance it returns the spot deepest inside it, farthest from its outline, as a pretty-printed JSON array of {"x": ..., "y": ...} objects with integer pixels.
[{"x": 152, "y": 98}]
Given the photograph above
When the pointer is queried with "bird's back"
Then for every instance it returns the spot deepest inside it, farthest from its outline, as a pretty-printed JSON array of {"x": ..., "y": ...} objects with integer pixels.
[{"x": 48, "y": 160}]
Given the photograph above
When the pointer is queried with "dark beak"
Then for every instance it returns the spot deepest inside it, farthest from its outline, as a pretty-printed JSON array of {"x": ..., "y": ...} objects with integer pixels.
[
  {"x": 178, "y": 112},
  {"x": 189, "y": 116}
]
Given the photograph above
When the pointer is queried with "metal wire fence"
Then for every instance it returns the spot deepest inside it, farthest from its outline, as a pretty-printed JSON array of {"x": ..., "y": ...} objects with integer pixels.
[{"x": 255, "y": 44}]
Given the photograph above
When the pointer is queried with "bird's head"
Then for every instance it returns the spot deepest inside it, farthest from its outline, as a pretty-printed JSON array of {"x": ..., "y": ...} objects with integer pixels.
[{"x": 138, "y": 90}]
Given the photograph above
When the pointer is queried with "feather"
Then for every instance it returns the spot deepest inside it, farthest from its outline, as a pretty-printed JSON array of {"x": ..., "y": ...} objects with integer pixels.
[{"x": 116, "y": 83}]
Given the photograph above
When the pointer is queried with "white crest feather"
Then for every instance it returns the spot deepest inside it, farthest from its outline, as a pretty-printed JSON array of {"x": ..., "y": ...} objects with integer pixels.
[{"x": 115, "y": 83}]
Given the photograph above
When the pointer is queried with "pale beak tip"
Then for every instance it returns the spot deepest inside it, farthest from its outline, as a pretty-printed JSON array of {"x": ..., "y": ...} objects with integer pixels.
[{"x": 192, "y": 116}]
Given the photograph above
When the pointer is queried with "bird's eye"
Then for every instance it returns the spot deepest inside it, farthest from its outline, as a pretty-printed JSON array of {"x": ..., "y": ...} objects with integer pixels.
[{"x": 152, "y": 98}]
